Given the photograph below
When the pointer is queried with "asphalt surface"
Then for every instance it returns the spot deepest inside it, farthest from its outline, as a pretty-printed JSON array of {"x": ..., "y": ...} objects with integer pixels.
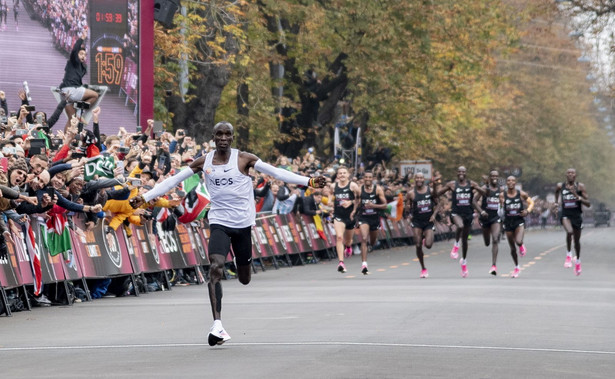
[{"x": 312, "y": 322}]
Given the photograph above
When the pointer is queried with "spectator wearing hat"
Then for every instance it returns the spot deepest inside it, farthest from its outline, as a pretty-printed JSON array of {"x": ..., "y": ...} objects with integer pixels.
[{"x": 17, "y": 174}]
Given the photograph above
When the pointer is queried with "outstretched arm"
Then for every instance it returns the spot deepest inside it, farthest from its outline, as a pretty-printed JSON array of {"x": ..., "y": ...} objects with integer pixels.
[
  {"x": 249, "y": 160},
  {"x": 280, "y": 174},
  {"x": 74, "y": 54},
  {"x": 169, "y": 183}
]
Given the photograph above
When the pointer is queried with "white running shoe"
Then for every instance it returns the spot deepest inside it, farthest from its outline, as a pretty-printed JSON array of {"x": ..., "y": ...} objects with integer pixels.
[{"x": 217, "y": 334}]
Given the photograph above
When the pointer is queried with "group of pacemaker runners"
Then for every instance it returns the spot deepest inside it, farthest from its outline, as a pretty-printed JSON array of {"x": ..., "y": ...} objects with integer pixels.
[
  {"x": 356, "y": 206},
  {"x": 495, "y": 206}
]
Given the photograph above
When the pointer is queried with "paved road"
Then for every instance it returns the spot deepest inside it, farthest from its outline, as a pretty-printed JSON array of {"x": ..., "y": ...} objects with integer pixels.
[
  {"x": 312, "y": 322},
  {"x": 28, "y": 54}
]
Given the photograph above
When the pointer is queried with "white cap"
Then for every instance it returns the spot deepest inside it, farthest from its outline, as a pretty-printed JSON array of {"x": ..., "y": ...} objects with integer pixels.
[{"x": 19, "y": 150}]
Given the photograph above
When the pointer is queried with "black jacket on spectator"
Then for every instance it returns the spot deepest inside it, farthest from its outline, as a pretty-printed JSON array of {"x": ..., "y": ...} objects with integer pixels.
[
  {"x": 163, "y": 161},
  {"x": 309, "y": 205},
  {"x": 4, "y": 106},
  {"x": 283, "y": 192},
  {"x": 261, "y": 189},
  {"x": 74, "y": 70}
]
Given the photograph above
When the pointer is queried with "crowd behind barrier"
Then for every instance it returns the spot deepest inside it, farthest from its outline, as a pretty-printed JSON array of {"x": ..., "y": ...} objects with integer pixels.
[{"x": 278, "y": 240}]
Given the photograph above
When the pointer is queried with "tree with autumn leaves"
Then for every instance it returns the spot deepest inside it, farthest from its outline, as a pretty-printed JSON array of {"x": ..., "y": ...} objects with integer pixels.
[{"x": 450, "y": 81}]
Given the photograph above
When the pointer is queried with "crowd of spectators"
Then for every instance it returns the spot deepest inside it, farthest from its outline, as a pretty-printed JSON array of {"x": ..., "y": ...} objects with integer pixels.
[
  {"x": 65, "y": 19},
  {"x": 42, "y": 170}
]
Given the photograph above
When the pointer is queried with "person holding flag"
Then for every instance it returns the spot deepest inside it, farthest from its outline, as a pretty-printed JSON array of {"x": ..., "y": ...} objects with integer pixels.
[{"x": 232, "y": 212}]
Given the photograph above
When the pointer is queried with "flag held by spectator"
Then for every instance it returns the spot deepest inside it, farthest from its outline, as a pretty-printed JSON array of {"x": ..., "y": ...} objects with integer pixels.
[
  {"x": 35, "y": 260},
  {"x": 395, "y": 208},
  {"x": 319, "y": 227},
  {"x": 194, "y": 203},
  {"x": 101, "y": 166}
]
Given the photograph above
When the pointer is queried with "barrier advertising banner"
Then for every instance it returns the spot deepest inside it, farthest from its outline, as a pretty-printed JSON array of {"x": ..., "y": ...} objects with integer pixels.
[
  {"x": 102, "y": 255},
  {"x": 202, "y": 239},
  {"x": 97, "y": 253},
  {"x": 301, "y": 241},
  {"x": 272, "y": 238},
  {"x": 171, "y": 245},
  {"x": 19, "y": 259},
  {"x": 7, "y": 273},
  {"x": 186, "y": 244},
  {"x": 259, "y": 241},
  {"x": 315, "y": 241}
]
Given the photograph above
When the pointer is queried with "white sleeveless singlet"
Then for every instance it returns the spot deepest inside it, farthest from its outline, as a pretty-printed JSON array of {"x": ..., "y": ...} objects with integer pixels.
[{"x": 231, "y": 193}]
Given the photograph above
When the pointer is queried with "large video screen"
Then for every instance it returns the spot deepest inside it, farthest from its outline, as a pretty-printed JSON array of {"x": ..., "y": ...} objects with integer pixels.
[{"x": 36, "y": 38}]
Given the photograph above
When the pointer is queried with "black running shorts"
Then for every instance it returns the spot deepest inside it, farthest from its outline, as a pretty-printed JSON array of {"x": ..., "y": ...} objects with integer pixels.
[
  {"x": 467, "y": 218},
  {"x": 488, "y": 221},
  {"x": 350, "y": 224},
  {"x": 422, "y": 224},
  {"x": 575, "y": 221},
  {"x": 221, "y": 238},
  {"x": 512, "y": 223},
  {"x": 373, "y": 222}
]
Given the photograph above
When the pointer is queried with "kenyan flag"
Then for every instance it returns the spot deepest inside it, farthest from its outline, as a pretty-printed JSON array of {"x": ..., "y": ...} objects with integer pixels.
[{"x": 196, "y": 200}]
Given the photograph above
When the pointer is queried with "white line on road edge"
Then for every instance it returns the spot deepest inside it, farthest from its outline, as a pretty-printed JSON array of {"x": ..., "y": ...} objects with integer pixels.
[{"x": 371, "y": 344}]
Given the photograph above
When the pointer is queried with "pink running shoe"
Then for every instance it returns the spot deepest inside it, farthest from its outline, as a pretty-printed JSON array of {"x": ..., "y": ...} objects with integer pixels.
[
  {"x": 568, "y": 262},
  {"x": 424, "y": 273},
  {"x": 577, "y": 268},
  {"x": 515, "y": 273},
  {"x": 347, "y": 252},
  {"x": 494, "y": 270},
  {"x": 464, "y": 270},
  {"x": 522, "y": 250},
  {"x": 455, "y": 252},
  {"x": 341, "y": 267}
]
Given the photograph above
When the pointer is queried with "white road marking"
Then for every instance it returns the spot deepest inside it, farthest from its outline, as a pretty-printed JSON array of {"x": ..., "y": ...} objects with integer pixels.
[{"x": 331, "y": 343}]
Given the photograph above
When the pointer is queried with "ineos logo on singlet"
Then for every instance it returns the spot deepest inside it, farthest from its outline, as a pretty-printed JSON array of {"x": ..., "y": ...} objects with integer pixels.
[
  {"x": 570, "y": 200},
  {"x": 513, "y": 206},
  {"x": 493, "y": 202},
  {"x": 340, "y": 197},
  {"x": 463, "y": 198},
  {"x": 424, "y": 206},
  {"x": 221, "y": 181}
]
